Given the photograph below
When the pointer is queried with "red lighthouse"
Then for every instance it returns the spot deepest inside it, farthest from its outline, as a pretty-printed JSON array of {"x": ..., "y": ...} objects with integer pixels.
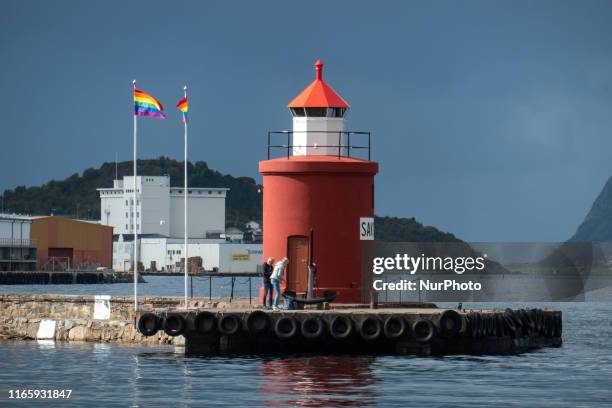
[{"x": 324, "y": 182}]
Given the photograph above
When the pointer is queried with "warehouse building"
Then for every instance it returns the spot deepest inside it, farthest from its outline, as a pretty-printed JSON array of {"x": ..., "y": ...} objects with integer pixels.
[{"x": 74, "y": 244}]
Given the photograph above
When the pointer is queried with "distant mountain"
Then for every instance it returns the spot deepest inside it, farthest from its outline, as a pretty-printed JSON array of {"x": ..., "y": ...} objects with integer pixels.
[
  {"x": 76, "y": 196},
  {"x": 597, "y": 226}
]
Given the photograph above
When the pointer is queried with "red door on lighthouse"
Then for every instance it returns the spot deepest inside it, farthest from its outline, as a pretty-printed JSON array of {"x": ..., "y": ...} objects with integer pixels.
[{"x": 297, "y": 270}]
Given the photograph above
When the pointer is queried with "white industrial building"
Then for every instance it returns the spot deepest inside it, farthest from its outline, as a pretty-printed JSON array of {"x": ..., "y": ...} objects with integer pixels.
[
  {"x": 167, "y": 254},
  {"x": 160, "y": 224},
  {"x": 160, "y": 209}
]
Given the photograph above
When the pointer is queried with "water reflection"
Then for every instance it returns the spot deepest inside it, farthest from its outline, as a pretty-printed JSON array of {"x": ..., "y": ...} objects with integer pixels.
[
  {"x": 103, "y": 349},
  {"x": 45, "y": 344},
  {"x": 319, "y": 381}
]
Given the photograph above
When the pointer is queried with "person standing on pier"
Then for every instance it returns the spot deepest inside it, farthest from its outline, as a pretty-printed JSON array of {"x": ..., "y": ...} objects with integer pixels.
[
  {"x": 268, "y": 291},
  {"x": 276, "y": 278}
]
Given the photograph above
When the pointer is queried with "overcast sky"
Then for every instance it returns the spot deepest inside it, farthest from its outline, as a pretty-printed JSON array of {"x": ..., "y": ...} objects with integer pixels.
[{"x": 491, "y": 120}]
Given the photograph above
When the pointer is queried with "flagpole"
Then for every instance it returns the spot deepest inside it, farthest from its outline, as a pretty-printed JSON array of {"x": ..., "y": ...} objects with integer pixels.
[
  {"x": 134, "y": 225},
  {"x": 186, "y": 247}
]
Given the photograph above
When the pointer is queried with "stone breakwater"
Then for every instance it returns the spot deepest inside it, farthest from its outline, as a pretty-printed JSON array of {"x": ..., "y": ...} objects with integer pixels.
[
  {"x": 89, "y": 318},
  {"x": 82, "y": 330}
]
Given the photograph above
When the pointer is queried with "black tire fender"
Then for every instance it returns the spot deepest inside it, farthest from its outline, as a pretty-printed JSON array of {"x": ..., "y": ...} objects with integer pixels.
[
  {"x": 340, "y": 327},
  {"x": 174, "y": 325},
  {"x": 509, "y": 323},
  {"x": 500, "y": 328},
  {"x": 205, "y": 323},
  {"x": 394, "y": 327},
  {"x": 148, "y": 324},
  {"x": 472, "y": 328},
  {"x": 370, "y": 328},
  {"x": 474, "y": 323},
  {"x": 286, "y": 327},
  {"x": 423, "y": 330},
  {"x": 258, "y": 322},
  {"x": 451, "y": 323},
  {"x": 312, "y": 327},
  {"x": 229, "y": 325}
]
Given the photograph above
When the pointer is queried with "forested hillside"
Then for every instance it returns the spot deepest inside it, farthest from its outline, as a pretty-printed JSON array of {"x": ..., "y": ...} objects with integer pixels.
[{"x": 76, "y": 196}]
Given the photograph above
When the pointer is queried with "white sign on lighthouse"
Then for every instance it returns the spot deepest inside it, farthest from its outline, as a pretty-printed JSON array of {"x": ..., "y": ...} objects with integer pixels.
[{"x": 366, "y": 228}]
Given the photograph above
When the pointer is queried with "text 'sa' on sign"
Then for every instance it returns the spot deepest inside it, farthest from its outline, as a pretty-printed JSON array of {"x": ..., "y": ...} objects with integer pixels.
[{"x": 366, "y": 228}]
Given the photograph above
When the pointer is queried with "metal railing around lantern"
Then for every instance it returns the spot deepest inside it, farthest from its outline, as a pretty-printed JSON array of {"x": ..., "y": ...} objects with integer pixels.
[{"x": 344, "y": 149}]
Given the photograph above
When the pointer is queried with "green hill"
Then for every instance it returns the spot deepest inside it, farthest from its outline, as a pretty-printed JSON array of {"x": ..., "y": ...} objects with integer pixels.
[
  {"x": 76, "y": 196},
  {"x": 393, "y": 229}
]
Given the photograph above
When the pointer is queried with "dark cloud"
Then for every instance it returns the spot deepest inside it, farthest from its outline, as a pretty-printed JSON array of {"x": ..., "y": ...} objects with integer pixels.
[{"x": 491, "y": 120}]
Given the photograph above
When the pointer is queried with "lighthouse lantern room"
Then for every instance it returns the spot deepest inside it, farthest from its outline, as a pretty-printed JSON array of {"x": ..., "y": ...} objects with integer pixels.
[
  {"x": 318, "y": 119},
  {"x": 317, "y": 189}
]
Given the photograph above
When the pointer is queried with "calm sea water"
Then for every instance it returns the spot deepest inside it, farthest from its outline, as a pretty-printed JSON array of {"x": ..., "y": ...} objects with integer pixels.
[
  {"x": 154, "y": 286},
  {"x": 579, "y": 374}
]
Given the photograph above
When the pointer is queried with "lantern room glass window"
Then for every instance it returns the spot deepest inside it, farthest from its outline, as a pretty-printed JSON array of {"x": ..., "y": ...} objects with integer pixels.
[
  {"x": 318, "y": 112},
  {"x": 299, "y": 112}
]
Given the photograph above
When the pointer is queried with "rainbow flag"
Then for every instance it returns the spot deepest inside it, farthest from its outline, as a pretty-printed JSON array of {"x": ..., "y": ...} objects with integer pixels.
[
  {"x": 147, "y": 105},
  {"x": 183, "y": 106}
]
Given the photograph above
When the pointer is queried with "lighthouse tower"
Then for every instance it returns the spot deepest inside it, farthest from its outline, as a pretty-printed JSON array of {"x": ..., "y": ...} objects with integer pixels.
[{"x": 318, "y": 186}]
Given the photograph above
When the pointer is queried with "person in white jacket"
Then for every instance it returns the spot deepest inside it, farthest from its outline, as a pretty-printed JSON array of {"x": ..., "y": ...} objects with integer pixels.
[{"x": 277, "y": 276}]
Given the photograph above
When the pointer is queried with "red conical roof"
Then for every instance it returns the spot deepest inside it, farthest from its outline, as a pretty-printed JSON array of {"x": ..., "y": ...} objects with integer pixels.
[{"x": 318, "y": 94}]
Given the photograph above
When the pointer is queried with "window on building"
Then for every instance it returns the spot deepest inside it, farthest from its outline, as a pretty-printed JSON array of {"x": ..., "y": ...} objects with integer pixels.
[
  {"x": 126, "y": 226},
  {"x": 127, "y": 215},
  {"x": 126, "y": 202}
]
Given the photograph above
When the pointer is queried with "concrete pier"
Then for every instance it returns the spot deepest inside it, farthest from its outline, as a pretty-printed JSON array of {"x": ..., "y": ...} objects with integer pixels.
[{"x": 217, "y": 326}]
